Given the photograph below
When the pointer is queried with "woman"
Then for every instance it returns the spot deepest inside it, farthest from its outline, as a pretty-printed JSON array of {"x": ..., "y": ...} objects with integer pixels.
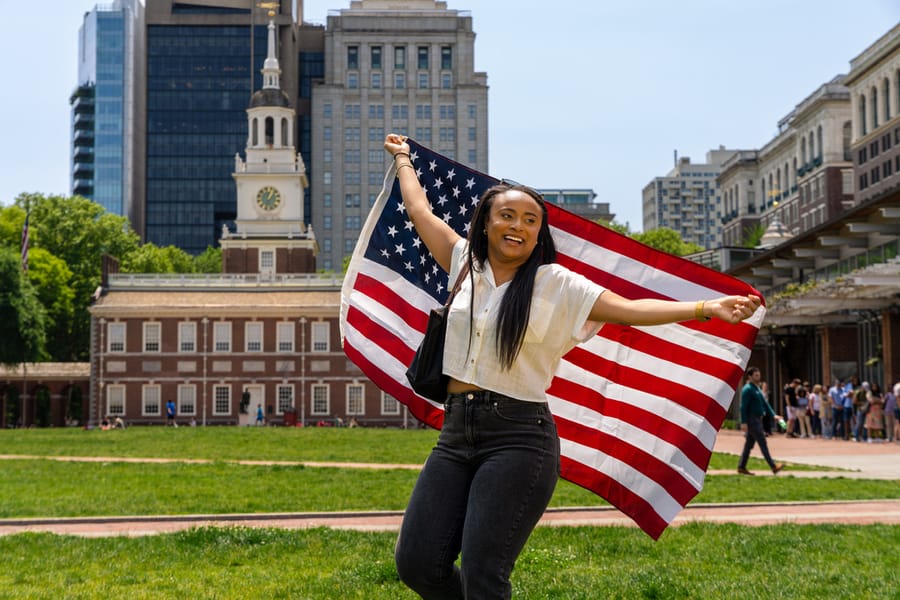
[
  {"x": 875, "y": 415},
  {"x": 493, "y": 471}
]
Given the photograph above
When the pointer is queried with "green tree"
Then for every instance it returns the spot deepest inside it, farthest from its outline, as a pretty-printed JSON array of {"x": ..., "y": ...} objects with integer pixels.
[
  {"x": 50, "y": 277},
  {"x": 617, "y": 227},
  {"x": 667, "y": 240},
  {"x": 22, "y": 335},
  {"x": 77, "y": 231},
  {"x": 753, "y": 235},
  {"x": 150, "y": 258},
  {"x": 209, "y": 261}
]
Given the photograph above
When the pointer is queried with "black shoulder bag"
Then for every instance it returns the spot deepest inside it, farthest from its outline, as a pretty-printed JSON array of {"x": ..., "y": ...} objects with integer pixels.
[{"x": 425, "y": 372}]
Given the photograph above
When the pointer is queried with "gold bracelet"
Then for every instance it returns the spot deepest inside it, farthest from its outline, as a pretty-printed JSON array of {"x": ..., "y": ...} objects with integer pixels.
[
  {"x": 698, "y": 311},
  {"x": 400, "y": 166},
  {"x": 406, "y": 154}
]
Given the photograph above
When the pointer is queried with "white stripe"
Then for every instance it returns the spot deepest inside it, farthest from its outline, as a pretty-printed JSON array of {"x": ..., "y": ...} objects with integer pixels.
[
  {"x": 696, "y": 379},
  {"x": 629, "y": 269},
  {"x": 659, "y": 499},
  {"x": 386, "y": 363},
  {"x": 673, "y": 456},
  {"x": 671, "y": 411}
]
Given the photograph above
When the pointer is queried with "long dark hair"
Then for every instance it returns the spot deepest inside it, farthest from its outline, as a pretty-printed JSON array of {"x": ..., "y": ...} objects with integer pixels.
[{"x": 515, "y": 307}]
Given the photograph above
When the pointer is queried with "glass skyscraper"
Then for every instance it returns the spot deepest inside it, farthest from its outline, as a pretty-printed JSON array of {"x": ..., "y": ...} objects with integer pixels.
[{"x": 103, "y": 106}]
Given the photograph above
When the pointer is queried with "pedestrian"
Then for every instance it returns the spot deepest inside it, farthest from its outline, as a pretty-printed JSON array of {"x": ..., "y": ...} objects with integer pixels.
[
  {"x": 874, "y": 413},
  {"x": 847, "y": 402},
  {"x": 260, "y": 417},
  {"x": 170, "y": 413},
  {"x": 516, "y": 312},
  {"x": 790, "y": 403},
  {"x": 826, "y": 411},
  {"x": 814, "y": 409},
  {"x": 837, "y": 408},
  {"x": 802, "y": 410},
  {"x": 860, "y": 398},
  {"x": 753, "y": 408},
  {"x": 892, "y": 413}
]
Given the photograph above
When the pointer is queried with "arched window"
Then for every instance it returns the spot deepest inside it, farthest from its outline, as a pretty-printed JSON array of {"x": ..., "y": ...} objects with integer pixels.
[
  {"x": 254, "y": 128},
  {"x": 803, "y": 150},
  {"x": 886, "y": 92},
  {"x": 270, "y": 131},
  {"x": 787, "y": 178},
  {"x": 778, "y": 187},
  {"x": 863, "y": 126},
  {"x": 846, "y": 138},
  {"x": 284, "y": 133},
  {"x": 874, "y": 101},
  {"x": 812, "y": 147},
  {"x": 819, "y": 142}
]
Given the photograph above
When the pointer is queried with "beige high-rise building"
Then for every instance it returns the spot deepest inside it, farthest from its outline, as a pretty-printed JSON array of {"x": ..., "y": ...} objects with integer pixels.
[{"x": 404, "y": 66}]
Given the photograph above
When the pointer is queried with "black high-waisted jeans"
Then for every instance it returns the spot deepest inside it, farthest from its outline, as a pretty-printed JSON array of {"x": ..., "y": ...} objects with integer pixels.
[{"x": 481, "y": 492}]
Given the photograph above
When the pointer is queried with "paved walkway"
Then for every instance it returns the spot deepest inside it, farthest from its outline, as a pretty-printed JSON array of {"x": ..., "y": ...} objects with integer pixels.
[{"x": 836, "y": 457}]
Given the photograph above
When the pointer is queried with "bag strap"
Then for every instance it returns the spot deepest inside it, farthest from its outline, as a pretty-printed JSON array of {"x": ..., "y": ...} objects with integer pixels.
[{"x": 463, "y": 271}]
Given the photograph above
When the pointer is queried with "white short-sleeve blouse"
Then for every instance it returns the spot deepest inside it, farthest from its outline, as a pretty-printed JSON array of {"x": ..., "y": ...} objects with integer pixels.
[{"x": 558, "y": 322}]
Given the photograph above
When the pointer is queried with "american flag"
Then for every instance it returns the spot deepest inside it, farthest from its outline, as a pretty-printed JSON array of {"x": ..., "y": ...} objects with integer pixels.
[
  {"x": 25, "y": 242},
  {"x": 637, "y": 408}
]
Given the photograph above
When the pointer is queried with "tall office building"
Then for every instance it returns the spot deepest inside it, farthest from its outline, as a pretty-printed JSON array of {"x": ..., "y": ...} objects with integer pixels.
[
  {"x": 203, "y": 64},
  {"x": 107, "y": 156},
  {"x": 405, "y": 66},
  {"x": 688, "y": 200}
]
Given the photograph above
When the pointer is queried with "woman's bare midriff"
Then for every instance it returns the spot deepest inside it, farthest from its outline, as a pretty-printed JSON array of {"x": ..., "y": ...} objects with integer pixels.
[{"x": 458, "y": 387}]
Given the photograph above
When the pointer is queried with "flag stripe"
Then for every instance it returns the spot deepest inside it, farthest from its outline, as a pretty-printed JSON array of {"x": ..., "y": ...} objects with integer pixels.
[{"x": 637, "y": 408}]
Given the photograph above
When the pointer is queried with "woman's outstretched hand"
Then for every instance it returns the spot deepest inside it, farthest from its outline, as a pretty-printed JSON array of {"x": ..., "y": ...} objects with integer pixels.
[
  {"x": 394, "y": 143},
  {"x": 733, "y": 309}
]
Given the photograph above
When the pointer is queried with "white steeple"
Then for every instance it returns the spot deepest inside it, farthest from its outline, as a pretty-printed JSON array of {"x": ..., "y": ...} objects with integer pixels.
[{"x": 271, "y": 71}]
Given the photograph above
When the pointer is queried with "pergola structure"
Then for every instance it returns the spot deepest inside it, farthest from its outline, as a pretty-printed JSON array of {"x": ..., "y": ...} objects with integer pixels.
[{"x": 833, "y": 298}]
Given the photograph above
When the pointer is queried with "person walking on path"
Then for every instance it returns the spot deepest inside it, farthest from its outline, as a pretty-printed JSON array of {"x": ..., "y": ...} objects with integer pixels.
[
  {"x": 260, "y": 418},
  {"x": 753, "y": 408}
]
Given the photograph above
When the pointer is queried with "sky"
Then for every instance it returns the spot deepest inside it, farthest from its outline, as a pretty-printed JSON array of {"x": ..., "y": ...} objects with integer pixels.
[{"x": 582, "y": 93}]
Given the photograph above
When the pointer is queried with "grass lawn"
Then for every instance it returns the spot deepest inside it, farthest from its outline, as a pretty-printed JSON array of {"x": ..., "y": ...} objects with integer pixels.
[{"x": 691, "y": 561}]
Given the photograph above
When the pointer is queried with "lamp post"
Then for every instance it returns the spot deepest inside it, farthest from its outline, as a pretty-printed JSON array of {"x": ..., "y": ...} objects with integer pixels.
[
  {"x": 303, "y": 371},
  {"x": 205, "y": 322}
]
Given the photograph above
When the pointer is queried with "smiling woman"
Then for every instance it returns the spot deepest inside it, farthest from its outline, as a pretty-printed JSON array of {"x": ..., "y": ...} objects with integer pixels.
[{"x": 514, "y": 315}]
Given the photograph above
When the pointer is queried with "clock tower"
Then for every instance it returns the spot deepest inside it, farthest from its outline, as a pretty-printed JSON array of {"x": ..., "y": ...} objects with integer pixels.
[{"x": 270, "y": 235}]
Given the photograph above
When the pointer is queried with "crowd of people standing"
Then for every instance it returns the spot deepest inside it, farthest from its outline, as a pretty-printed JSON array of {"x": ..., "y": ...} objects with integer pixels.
[{"x": 849, "y": 409}]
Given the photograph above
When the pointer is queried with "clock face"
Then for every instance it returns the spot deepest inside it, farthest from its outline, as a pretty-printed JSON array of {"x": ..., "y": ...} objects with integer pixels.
[{"x": 268, "y": 198}]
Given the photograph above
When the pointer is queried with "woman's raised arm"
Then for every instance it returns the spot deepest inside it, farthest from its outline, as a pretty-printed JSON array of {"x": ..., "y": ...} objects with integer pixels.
[{"x": 439, "y": 237}]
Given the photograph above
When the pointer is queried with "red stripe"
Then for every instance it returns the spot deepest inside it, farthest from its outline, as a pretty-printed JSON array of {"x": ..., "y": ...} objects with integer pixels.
[
  {"x": 674, "y": 353},
  {"x": 419, "y": 407},
  {"x": 390, "y": 298},
  {"x": 619, "y": 496},
  {"x": 682, "y": 395},
  {"x": 607, "y": 239},
  {"x": 640, "y": 418},
  {"x": 387, "y": 340}
]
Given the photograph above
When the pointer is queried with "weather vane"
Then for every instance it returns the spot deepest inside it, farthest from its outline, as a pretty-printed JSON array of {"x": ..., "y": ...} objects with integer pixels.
[{"x": 271, "y": 6}]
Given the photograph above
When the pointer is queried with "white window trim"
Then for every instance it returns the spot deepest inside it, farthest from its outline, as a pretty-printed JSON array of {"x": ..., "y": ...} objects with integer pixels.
[
  {"x": 384, "y": 399},
  {"x": 362, "y": 399},
  {"x": 253, "y": 326},
  {"x": 191, "y": 325},
  {"x": 320, "y": 332},
  {"x": 227, "y": 388},
  {"x": 184, "y": 388},
  {"x": 159, "y": 402},
  {"x": 312, "y": 395},
  {"x": 118, "y": 325},
  {"x": 117, "y": 390},
  {"x": 221, "y": 326},
  {"x": 148, "y": 326},
  {"x": 283, "y": 386},
  {"x": 284, "y": 332}
]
